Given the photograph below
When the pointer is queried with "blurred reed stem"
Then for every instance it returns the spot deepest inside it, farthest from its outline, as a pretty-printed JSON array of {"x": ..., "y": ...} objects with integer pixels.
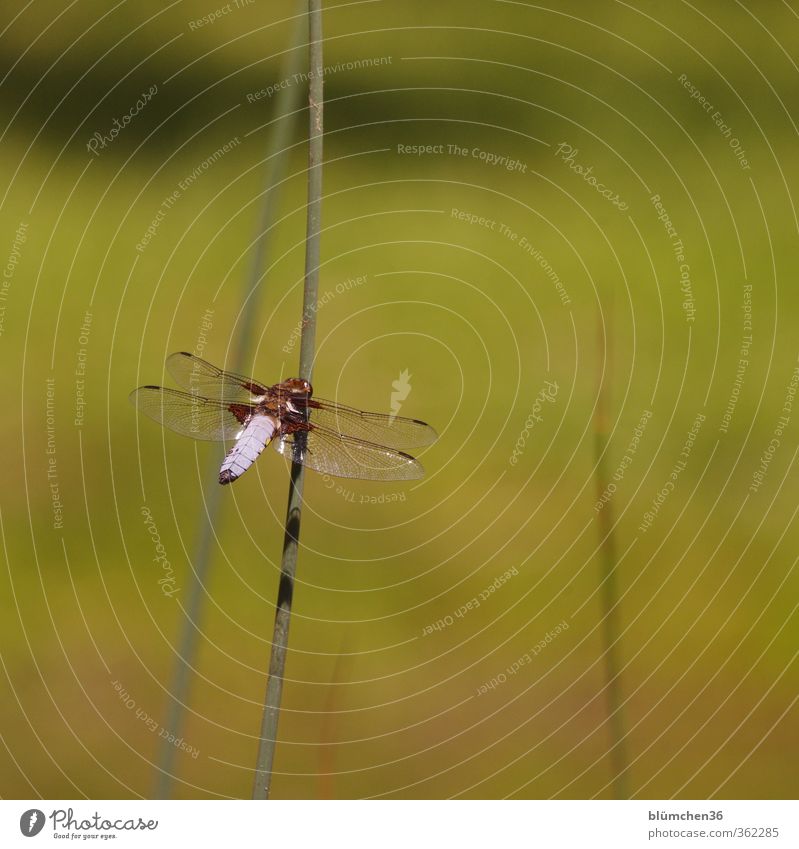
[
  {"x": 287, "y": 103},
  {"x": 609, "y": 596},
  {"x": 277, "y": 660}
]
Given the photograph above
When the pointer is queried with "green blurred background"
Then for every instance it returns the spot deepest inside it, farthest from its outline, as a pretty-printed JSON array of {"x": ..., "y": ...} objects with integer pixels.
[{"x": 376, "y": 702}]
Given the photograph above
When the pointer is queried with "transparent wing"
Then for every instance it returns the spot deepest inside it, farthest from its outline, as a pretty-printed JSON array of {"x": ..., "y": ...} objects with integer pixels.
[
  {"x": 190, "y": 415},
  {"x": 205, "y": 379},
  {"x": 378, "y": 428},
  {"x": 347, "y": 457}
]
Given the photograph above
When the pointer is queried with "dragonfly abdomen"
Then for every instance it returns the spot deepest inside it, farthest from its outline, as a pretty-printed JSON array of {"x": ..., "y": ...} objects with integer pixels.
[{"x": 257, "y": 434}]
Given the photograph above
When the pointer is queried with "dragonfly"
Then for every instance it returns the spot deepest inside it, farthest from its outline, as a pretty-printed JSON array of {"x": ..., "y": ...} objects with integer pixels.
[{"x": 327, "y": 437}]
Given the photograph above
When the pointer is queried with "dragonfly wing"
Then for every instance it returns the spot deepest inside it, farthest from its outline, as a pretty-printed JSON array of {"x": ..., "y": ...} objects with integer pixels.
[
  {"x": 202, "y": 378},
  {"x": 378, "y": 428},
  {"x": 347, "y": 457},
  {"x": 190, "y": 415}
]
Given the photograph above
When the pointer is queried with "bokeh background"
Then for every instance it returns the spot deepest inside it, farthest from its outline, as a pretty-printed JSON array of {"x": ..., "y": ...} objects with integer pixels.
[{"x": 607, "y": 653}]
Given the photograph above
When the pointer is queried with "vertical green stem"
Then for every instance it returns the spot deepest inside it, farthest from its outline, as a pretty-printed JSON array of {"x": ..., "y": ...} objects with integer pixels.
[
  {"x": 277, "y": 661},
  {"x": 286, "y": 103},
  {"x": 609, "y": 596}
]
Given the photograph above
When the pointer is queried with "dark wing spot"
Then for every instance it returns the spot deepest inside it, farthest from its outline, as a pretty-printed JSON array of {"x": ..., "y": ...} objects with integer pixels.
[{"x": 240, "y": 411}]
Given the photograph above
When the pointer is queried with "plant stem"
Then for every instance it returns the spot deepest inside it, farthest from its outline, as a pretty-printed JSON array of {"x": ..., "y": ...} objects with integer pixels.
[
  {"x": 609, "y": 597},
  {"x": 288, "y": 568},
  {"x": 286, "y": 104}
]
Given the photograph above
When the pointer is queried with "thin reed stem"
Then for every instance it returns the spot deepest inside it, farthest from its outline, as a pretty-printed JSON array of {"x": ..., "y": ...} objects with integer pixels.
[
  {"x": 609, "y": 596},
  {"x": 288, "y": 568},
  {"x": 286, "y": 106}
]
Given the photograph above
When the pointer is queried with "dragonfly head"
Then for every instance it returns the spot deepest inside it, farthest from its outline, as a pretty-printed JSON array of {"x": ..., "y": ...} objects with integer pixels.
[{"x": 298, "y": 386}]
